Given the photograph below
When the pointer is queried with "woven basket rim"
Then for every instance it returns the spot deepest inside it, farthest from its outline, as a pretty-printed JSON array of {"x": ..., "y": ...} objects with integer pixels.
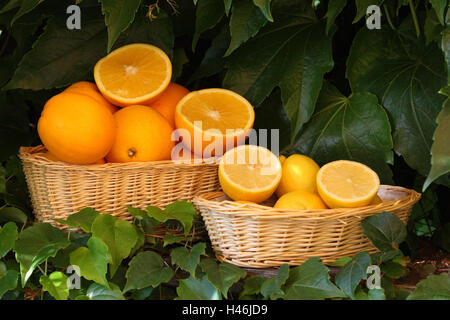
[
  {"x": 231, "y": 208},
  {"x": 30, "y": 154}
]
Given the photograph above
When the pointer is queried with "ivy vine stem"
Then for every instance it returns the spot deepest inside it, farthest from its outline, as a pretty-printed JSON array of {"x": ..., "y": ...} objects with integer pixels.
[{"x": 414, "y": 17}]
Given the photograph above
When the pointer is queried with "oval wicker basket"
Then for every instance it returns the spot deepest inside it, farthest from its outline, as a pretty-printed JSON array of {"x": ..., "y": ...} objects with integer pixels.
[
  {"x": 58, "y": 189},
  {"x": 258, "y": 236}
]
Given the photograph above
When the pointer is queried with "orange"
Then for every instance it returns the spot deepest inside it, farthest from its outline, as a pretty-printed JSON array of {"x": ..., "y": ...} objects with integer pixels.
[
  {"x": 143, "y": 134},
  {"x": 299, "y": 173},
  {"x": 216, "y": 120},
  {"x": 90, "y": 89},
  {"x": 133, "y": 74},
  {"x": 300, "y": 200},
  {"x": 282, "y": 158},
  {"x": 167, "y": 101},
  {"x": 76, "y": 128},
  {"x": 52, "y": 157},
  {"x": 347, "y": 184},
  {"x": 249, "y": 173},
  {"x": 180, "y": 152}
]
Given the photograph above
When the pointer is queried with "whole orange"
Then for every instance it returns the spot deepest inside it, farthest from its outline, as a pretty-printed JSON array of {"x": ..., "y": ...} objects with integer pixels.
[
  {"x": 143, "y": 134},
  {"x": 167, "y": 101},
  {"x": 76, "y": 128},
  {"x": 90, "y": 89}
]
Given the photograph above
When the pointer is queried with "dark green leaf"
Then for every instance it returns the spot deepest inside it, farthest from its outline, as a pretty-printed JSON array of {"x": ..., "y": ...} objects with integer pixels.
[
  {"x": 349, "y": 276},
  {"x": 8, "y": 282},
  {"x": 118, "y": 16},
  {"x": 12, "y": 4},
  {"x": 207, "y": 15},
  {"x": 56, "y": 285},
  {"x": 142, "y": 294},
  {"x": 355, "y": 128},
  {"x": 362, "y": 5},
  {"x": 384, "y": 230},
  {"x": 43, "y": 67},
  {"x": 92, "y": 261},
  {"x": 178, "y": 62},
  {"x": 434, "y": 287},
  {"x": 310, "y": 281},
  {"x": 3, "y": 269},
  {"x": 197, "y": 289},
  {"x": 171, "y": 239},
  {"x": 245, "y": 22},
  {"x": 181, "y": 211},
  {"x": 227, "y": 4},
  {"x": 147, "y": 269},
  {"x": 99, "y": 292},
  {"x": 376, "y": 294},
  {"x": 340, "y": 262},
  {"x": 272, "y": 287},
  {"x": 406, "y": 76},
  {"x": 439, "y": 7},
  {"x": 252, "y": 286},
  {"x": 25, "y": 7},
  {"x": 119, "y": 235},
  {"x": 432, "y": 28},
  {"x": 36, "y": 244},
  {"x": 82, "y": 219},
  {"x": 8, "y": 237},
  {"x": 264, "y": 6},
  {"x": 221, "y": 275},
  {"x": 293, "y": 53},
  {"x": 334, "y": 9},
  {"x": 440, "y": 150},
  {"x": 393, "y": 270},
  {"x": 380, "y": 257},
  {"x": 188, "y": 260}
]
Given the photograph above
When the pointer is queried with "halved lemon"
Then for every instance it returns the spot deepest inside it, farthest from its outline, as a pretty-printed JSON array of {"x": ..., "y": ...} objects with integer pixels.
[
  {"x": 133, "y": 74},
  {"x": 216, "y": 120},
  {"x": 347, "y": 184},
  {"x": 249, "y": 173}
]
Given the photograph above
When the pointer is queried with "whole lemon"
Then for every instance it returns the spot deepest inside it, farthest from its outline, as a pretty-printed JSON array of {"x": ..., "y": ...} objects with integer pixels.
[
  {"x": 300, "y": 200},
  {"x": 298, "y": 173}
]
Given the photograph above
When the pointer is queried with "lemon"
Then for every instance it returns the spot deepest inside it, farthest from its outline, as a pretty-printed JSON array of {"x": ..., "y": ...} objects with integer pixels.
[
  {"x": 376, "y": 200},
  {"x": 249, "y": 173},
  {"x": 300, "y": 200},
  {"x": 298, "y": 173},
  {"x": 347, "y": 184}
]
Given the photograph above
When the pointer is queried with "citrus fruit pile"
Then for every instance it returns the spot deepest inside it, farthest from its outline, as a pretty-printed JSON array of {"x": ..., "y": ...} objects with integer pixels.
[
  {"x": 252, "y": 174},
  {"x": 133, "y": 113}
]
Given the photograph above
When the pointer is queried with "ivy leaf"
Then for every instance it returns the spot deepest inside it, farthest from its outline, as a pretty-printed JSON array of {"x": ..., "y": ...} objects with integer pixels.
[
  {"x": 181, "y": 211},
  {"x": 440, "y": 150},
  {"x": 12, "y": 4},
  {"x": 8, "y": 237},
  {"x": 222, "y": 275},
  {"x": 35, "y": 244},
  {"x": 43, "y": 67},
  {"x": 406, "y": 76},
  {"x": 294, "y": 53},
  {"x": 245, "y": 22},
  {"x": 92, "y": 261},
  {"x": 252, "y": 286},
  {"x": 272, "y": 287},
  {"x": 355, "y": 128},
  {"x": 118, "y": 16},
  {"x": 56, "y": 285},
  {"x": 120, "y": 236},
  {"x": 197, "y": 289},
  {"x": 341, "y": 262},
  {"x": 334, "y": 9},
  {"x": 439, "y": 6},
  {"x": 376, "y": 294},
  {"x": 8, "y": 282},
  {"x": 188, "y": 260},
  {"x": 310, "y": 281},
  {"x": 10, "y": 214},
  {"x": 393, "y": 270},
  {"x": 99, "y": 292},
  {"x": 384, "y": 230},
  {"x": 82, "y": 219},
  {"x": 25, "y": 7},
  {"x": 348, "y": 277},
  {"x": 380, "y": 257},
  {"x": 147, "y": 269},
  {"x": 434, "y": 287},
  {"x": 207, "y": 15},
  {"x": 171, "y": 239},
  {"x": 432, "y": 28},
  {"x": 264, "y": 6},
  {"x": 362, "y": 5},
  {"x": 227, "y": 4}
]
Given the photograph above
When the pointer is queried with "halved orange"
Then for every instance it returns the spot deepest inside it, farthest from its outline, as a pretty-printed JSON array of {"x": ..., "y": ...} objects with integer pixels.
[
  {"x": 133, "y": 74},
  {"x": 249, "y": 173},
  {"x": 216, "y": 119},
  {"x": 347, "y": 184}
]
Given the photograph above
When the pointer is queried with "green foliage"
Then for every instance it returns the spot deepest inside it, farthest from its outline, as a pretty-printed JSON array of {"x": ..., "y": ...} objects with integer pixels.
[{"x": 371, "y": 98}]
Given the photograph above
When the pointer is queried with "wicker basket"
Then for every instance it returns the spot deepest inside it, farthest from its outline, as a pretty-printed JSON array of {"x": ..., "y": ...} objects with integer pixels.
[
  {"x": 258, "y": 236},
  {"x": 59, "y": 189}
]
